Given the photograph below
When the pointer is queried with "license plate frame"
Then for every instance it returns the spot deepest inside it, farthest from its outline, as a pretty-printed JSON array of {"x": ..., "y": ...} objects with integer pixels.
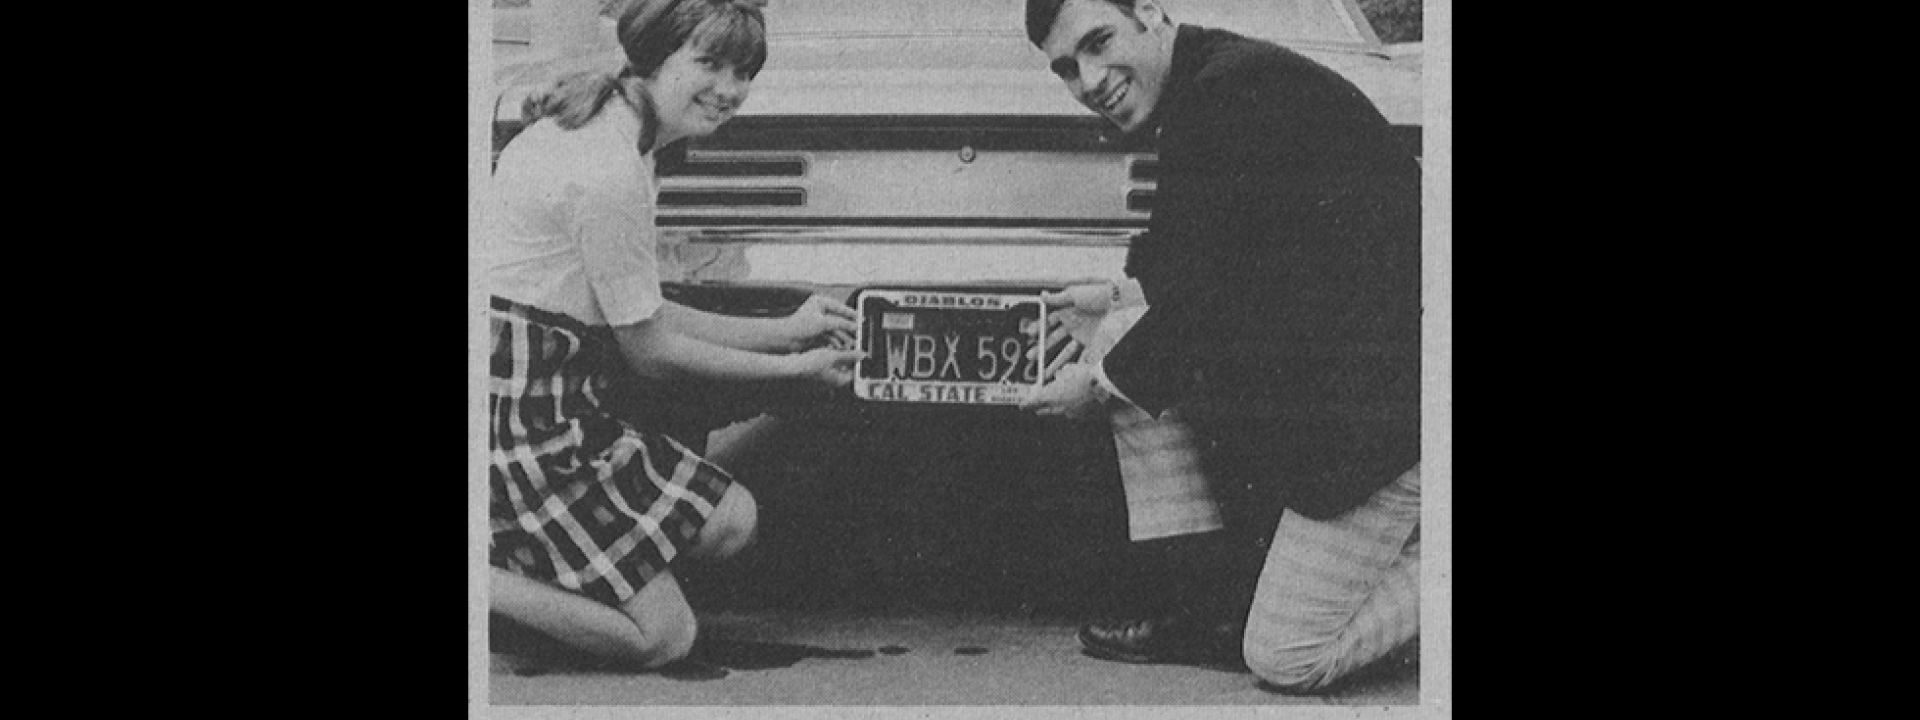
[{"x": 898, "y": 326}]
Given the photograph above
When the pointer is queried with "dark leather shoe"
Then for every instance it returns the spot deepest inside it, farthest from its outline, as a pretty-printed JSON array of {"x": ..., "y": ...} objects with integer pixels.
[{"x": 1176, "y": 638}]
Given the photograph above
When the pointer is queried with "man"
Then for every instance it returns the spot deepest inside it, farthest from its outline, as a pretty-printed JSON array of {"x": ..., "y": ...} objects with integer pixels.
[{"x": 1281, "y": 272}]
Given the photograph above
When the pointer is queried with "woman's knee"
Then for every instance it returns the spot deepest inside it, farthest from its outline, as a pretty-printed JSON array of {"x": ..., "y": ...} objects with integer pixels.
[
  {"x": 732, "y": 527},
  {"x": 663, "y": 640},
  {"x": 664, "y": 624}
]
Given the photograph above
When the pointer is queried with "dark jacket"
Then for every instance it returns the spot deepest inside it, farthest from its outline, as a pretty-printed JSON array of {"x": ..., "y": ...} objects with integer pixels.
[{"x": 1282, "y": 266}]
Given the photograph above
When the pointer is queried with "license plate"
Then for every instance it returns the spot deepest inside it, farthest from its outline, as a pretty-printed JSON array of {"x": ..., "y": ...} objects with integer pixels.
[{"x": 960, "y": 348}]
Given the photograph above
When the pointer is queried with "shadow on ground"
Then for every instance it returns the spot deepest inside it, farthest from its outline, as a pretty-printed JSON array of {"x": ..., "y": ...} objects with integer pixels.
[{"x": 525, "y": 652}]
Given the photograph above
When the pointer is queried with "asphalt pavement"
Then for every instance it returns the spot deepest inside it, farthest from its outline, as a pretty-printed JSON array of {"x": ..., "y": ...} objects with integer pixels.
[{"x": 794, "y": 658}]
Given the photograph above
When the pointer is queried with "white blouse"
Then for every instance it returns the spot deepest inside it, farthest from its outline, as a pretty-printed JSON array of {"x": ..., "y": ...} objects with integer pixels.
[{"x": 572, "y": 226}]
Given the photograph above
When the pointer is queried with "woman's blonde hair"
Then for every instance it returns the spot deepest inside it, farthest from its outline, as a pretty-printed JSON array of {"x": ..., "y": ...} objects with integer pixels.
[{"x": 733, "y": 31}]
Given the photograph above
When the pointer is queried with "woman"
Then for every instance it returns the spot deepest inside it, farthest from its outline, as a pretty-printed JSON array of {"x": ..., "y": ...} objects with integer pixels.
[{"x": 588, "y": 511}]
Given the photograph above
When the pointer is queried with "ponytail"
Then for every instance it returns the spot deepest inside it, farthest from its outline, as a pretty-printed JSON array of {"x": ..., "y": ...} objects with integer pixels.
[{"x": 572, "y": 100}]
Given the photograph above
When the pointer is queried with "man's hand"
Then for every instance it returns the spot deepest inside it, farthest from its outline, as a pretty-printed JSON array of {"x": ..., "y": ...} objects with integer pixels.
[
  {"x": 1071, "y": 393},
  {"x": 820, "y": 321},
  {"x": 1072, "y": 316},
  {"x": 1078, "y": 309}
]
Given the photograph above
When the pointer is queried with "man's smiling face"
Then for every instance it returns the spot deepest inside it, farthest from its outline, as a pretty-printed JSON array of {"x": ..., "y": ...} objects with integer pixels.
[{"x": 1114, "y": 64}]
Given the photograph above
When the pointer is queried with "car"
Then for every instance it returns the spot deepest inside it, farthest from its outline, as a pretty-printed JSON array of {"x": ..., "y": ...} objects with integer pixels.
[{"x": 922, "y": 149}]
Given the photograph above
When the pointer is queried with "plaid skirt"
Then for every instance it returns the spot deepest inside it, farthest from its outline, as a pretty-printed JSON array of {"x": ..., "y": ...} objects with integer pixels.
[{"x": 579, "y": 497}]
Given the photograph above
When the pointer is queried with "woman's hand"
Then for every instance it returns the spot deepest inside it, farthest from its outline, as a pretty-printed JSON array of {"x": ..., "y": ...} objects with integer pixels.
[
  {"x": 820, "y": 321},
  {"x": 831, "y": 366}
]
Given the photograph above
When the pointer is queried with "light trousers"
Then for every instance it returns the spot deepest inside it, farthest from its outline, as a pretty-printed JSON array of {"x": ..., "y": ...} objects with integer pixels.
[{"x": 1338, "y": 594}]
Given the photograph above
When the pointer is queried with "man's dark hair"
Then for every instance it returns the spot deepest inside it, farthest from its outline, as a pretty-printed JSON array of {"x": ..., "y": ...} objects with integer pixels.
[{"x": 1042, "y": 13}]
